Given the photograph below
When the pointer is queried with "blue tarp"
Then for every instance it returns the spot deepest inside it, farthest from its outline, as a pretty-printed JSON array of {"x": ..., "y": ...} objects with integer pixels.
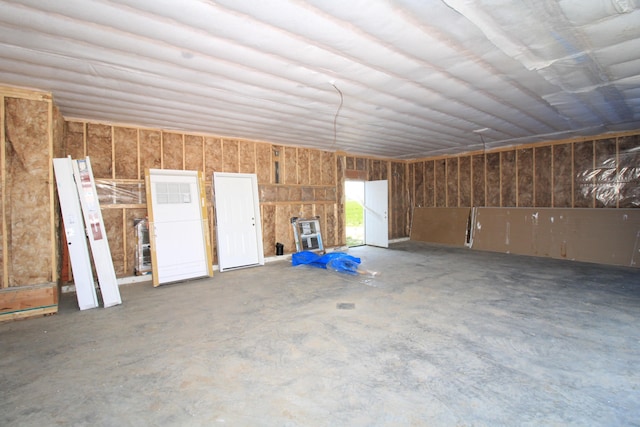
[{"x": 338, "y": 261}]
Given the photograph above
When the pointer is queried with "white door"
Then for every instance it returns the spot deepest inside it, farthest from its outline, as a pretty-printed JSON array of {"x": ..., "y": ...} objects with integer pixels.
[
  {"x": 75, "y": 234},
  {"x": 86, "y": 186},
  {"x": 176, "y": 226},
  {"x": 238, "y": 223},
  {"x": 376, "y": 224}
]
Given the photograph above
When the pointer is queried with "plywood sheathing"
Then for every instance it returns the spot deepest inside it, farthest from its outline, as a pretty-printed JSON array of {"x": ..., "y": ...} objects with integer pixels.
[
  {"x": 607, "y": 236},
  {"x": 446, "y": 226},
  {"x": 27, "y": 194}
]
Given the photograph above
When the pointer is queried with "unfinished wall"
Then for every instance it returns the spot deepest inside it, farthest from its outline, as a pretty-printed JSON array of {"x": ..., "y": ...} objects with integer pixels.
[
  {"x": 30, "y": 137},
  {"x": 599, "y": 172},
  {"x": 292, "y": 181}
]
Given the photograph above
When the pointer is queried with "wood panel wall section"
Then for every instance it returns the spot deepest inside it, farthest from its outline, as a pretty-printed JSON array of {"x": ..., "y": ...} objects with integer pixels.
[
  {"x": 309, "y": 182},
  {"x": 582, "y": 173}
]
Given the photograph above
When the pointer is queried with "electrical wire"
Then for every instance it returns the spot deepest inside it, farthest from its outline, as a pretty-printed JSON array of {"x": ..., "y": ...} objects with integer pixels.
[{"x": 335, "y": 118}]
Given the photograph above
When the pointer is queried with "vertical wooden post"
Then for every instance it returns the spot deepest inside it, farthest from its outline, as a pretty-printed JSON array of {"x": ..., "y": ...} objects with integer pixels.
[
  {"x": 617, "y": 171},
  {"x": 52, "y": 195},
  {"x": 458, "y": 203},
  {"x": 113, "y": 152},
  {"x": 3, "y": 165},
  {"x": 517, "y": 175},
  {"x": 184, "y": 153},
  {"x": 84, "y": 139},
  {"x": 138, "y": 153},
  {"x": 573, "y": 179},
  {"x": 484, "y": 155},
  {"x": 161, "y": 157},
  {"x": 533, "y": 178},
  {"x": 552, "y": 176},
  {"x": 124, "y": 240}
]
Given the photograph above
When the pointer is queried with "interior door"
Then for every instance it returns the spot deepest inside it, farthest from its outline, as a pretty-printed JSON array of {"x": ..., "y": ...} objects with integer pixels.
[
  {"x": 177, "y": 226},
  {"x": 238, "y": 225},
  {"x": 376, "y": 223},
  {"x": 75, "y": 234}
]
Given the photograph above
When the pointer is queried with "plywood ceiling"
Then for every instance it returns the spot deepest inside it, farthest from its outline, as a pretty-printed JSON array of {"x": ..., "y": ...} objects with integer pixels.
[{"x": 396, "y": 78}]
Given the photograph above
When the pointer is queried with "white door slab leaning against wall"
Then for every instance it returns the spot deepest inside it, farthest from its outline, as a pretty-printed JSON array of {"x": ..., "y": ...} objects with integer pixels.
[
  {"x": 238, "y": 224},
  {"x": 376, "y": 206},
  {"x": 75, "y": 234},
  {"x": 97, "y": 233},
  {"x": 178, "y": 225}
]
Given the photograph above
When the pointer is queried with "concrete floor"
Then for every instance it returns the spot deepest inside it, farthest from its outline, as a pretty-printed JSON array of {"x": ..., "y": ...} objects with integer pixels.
[{"x": 442, "y": 337}]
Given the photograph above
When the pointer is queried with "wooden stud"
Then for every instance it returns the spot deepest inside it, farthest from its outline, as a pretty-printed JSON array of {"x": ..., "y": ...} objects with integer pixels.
[
  {"x": 3, "y": 165},
  {"x": 52, "y": 213},
  {"x": 113, "y": 152},
  {"x": 205, "y": 222},
  {"x": 517, "y": 186},
  {"x": 138, "y": 152},
  {"x": 486, "y": 195},
  {"x": 552, "y": 177},
  {"x": 617, "y": 171},
  {"x": 84, "y": 139},
  {"x": 152, "y": 237},
  {"x": 593, "y": 167},
  {"x": 471, "y": 182},
  {"x": 533, "y": 177},
  {"x": 458, "y": 204},
  {"x": 124, "y": 241},
  {"x": 161, "y": 159}
]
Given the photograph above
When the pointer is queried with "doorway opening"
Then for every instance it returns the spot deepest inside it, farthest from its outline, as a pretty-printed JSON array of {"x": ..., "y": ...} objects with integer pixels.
[{"x": 354, "y": 212}]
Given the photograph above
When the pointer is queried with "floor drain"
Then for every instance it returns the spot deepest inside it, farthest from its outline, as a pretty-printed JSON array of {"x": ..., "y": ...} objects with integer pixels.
[{"x": 345, "y": 306}]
